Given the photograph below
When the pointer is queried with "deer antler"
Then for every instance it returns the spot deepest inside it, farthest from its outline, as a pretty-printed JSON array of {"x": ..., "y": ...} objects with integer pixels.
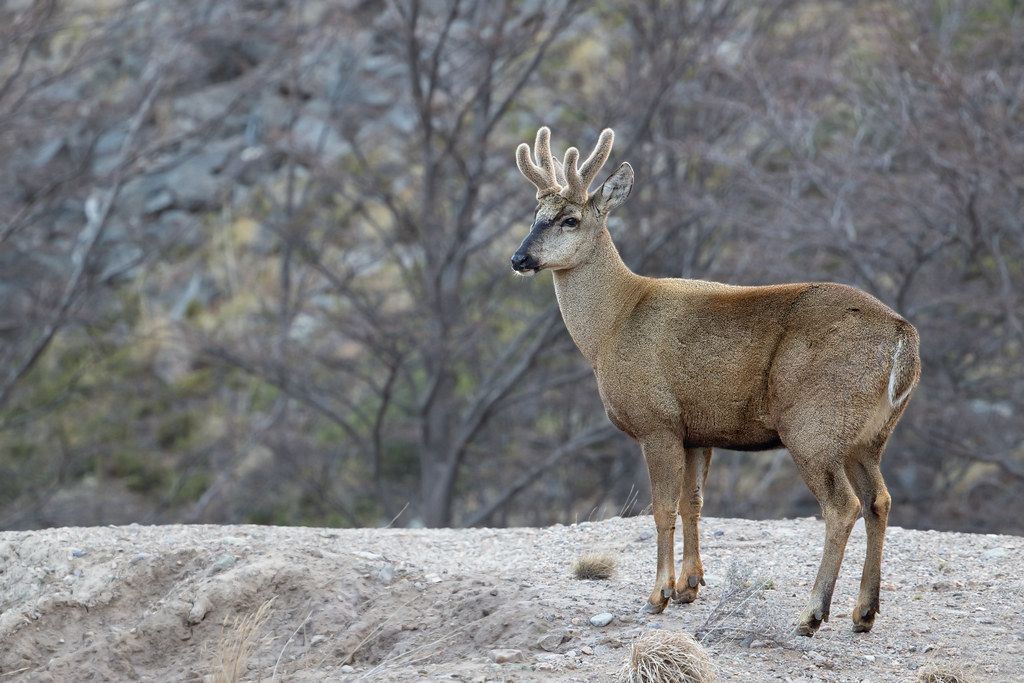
[
  {"x": 547, "y": 176},
  {"x": 554, "y": 177},
  {"x": 579, "y": 179}
]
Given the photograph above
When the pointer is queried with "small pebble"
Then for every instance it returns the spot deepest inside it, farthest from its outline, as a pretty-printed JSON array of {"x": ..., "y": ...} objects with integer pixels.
[
  {"x": 602, "y": 619},
  {"x": 224, "y": 562},
  {"x": 362, "y": 554},
  {"x": 817, "y": 658},
  {"x": 501, "y": 656},
  {"x": 200, "y": 608},
  {"x": 551, "y": 641}
]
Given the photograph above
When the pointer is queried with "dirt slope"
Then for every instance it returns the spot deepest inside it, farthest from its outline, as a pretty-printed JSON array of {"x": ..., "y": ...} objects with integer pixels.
[{"x": 165, "y": 603}]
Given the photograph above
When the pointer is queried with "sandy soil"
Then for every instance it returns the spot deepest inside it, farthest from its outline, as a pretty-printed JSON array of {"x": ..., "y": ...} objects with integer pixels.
[{"x": 170, "y": 603}]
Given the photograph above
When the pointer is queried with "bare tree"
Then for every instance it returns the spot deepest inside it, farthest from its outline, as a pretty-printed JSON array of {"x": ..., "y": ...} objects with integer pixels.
[
  {"x": 425, "y": 366},
  {"x": 56, "y": 268},
  {"x": 887, "y": 162},
  {"x": 293, "y": 274}
]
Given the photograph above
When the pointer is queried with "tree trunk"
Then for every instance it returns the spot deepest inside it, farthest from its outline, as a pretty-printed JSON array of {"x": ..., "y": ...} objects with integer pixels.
[{"x": 437, "y": 488}]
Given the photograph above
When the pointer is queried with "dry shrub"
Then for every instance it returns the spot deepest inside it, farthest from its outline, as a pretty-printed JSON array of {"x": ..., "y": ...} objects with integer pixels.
[
  {"x": 238, "y": 642},
  {"x": 594, "y": 566},
  {"x": 668, "y": 657},
  {"x": 743, "y": 612}
]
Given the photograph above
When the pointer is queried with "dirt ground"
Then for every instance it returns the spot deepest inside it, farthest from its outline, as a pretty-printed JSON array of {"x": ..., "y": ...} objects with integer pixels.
[{"x": 178, "y": 603}]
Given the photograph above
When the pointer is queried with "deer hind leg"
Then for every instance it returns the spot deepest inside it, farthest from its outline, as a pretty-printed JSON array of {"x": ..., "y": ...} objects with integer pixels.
[
  {"x": 864, "y": 474},
  {"x": 664, "y": 456},
  {"x": 695, "y": 475},
  {"x": 839, "y": 507}
]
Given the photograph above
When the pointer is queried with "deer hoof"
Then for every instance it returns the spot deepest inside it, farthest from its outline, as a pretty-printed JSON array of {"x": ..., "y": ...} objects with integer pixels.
[
  {"x": 863, "y": 619},
  {"x": 651, "y": 608},
  {"x": 684, "y": 597},
  {"x": 686, "y": 591},
  {"x": 656, "y": 603},
  {"x": 810, "y": 623},
  {"x": 808, "y": 628}
]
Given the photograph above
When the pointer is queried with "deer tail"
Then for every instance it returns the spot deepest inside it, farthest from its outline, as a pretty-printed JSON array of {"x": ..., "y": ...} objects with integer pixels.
[{"x": 906, "y": 365}]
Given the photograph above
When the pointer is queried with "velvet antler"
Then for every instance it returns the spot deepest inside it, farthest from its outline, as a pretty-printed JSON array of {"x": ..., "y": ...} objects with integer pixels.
[
  {"x": 579, "y": 179},
  {"x": 552, "y": 177},
  {"x": 544, "y": 175}
]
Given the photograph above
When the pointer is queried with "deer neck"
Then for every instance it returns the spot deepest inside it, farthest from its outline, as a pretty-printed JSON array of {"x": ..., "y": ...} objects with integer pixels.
[{"x": 595, "y": 296}]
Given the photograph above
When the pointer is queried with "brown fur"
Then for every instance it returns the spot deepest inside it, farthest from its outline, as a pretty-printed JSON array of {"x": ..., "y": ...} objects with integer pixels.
[{"x": 686, "y": 365}]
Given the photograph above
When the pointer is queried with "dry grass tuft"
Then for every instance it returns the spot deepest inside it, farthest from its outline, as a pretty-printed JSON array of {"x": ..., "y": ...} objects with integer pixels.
[
  {"x": 668, "y": 657},
  {"x": 238, "y": 642},
  {"x": 594, "y": 566}
]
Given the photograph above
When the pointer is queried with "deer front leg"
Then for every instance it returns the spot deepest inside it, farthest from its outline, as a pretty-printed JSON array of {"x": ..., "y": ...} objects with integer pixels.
[
  {"x": 691, "y": 573},
  {"x": 664, "y": 456}
]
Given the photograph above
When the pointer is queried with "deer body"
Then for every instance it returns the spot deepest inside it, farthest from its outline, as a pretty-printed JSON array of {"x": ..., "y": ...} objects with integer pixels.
[{"x": 686, "y": 365}]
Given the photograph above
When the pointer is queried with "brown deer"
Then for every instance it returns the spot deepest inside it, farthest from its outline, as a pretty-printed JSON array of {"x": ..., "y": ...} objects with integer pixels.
[{"x": 682, "y": 366}]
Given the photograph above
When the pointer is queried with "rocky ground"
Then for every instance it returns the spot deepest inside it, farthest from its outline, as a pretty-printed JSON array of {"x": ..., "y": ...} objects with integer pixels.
[{"x": 177, "y": 603}]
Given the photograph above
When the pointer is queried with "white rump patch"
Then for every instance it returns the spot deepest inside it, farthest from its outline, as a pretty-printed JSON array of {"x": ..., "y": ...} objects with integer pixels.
[
  {"x": 887, "y": 403},
  {"x": 894, "y": 400}
]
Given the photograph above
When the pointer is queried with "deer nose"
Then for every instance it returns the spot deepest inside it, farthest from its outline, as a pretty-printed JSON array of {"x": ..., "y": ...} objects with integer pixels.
[{"x": 522, "y": 262}]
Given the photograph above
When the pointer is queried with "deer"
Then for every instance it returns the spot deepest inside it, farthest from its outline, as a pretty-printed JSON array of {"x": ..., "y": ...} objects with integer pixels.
[{"x": 683, "y": 366}]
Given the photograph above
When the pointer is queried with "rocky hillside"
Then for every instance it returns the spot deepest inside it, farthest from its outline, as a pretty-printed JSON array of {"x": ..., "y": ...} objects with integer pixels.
[{"x": 263, "y": 245}]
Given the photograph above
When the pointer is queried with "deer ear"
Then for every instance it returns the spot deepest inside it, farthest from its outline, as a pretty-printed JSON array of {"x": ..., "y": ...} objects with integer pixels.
[{"x": 614, "y": 190}]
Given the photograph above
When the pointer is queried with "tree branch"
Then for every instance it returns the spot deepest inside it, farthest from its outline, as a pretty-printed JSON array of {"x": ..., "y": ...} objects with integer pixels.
[{"x": 97, "y": 212}]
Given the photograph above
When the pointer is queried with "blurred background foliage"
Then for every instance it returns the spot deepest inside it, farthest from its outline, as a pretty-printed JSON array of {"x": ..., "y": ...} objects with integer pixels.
[{"x": 254, "y": 253}]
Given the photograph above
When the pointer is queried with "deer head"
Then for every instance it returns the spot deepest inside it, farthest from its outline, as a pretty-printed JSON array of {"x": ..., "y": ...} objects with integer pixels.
[{"x": 567, "y": 217}]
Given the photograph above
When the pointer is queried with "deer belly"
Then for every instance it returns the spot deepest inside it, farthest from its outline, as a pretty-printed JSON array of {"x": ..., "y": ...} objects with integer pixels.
[{"x": 736, "y": 429}]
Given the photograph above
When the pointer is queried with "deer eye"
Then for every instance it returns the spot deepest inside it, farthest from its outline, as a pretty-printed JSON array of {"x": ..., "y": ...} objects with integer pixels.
[{"x": 570, "y": 222}]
